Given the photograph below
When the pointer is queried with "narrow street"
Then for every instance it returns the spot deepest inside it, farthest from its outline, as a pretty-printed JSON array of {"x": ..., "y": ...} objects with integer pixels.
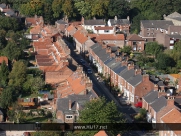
[{"x": 102, "y": 90}]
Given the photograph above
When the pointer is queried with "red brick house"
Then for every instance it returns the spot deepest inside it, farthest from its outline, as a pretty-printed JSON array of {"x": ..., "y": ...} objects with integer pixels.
[
  {"x": 137, "y": 43},
  {"x": 169, "y": 119},
  {"x": 33, "y": 21}
]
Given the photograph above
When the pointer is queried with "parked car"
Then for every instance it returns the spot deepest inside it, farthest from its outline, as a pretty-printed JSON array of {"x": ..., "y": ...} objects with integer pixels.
[
  {"x": 89, "y": 71},
  {"x": 138, "y": 105}
]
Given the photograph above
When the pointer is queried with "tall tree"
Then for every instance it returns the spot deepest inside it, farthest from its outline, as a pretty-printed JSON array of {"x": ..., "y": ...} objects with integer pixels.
[
  {"x": 99, "y": 111},
  {"x": 4, "y": 72},
  {"x": 57, "y": 8},
  {"x": 12, "y": 51},
  {"x": 118, "y": 8},
  {"x": 6, "y": 97},
  {"x": 18, "y": 75},
  {"x": 68, "y": 8},
  {"x": 100, "y": 8},
  {"x": 3, "y": 41},
  {"x": 153, "y": 48},
  {"x": 84, "y": 7},
  {"x": 164, "y": 61}
]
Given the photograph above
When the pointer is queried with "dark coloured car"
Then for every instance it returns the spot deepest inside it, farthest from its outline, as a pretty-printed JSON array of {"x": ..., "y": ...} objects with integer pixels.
[{"x": 89, "y": 71}]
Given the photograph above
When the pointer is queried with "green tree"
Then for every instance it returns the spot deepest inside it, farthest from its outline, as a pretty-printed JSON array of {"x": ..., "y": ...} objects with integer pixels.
[
  {"x": 126, "y": 49},
  {"x": 57, "y": 8},
  {"x": 23, "y": 43},
  {"x": 6, "y": 97},
  {"x": 100, "y": 8},
  {"x": 4, "y": 72},
  {"x": 153, "y": 48},
  {"x": 68, "y": 8},
  {"x": 16, "y": 114},
  {"x": 84, "y": 7},
  {"x": 34, "y": 84},
  {"x": 32, "y": 7},
  {"x": 164, "y": 61},
  {"x": 8, "y": 23},
  {"x": 47, "y": 14},
  {"x": 99, "y": 111},
  {"x": 135, "y": 27},
  {"x": 18, "y": 75},
  {"x": 3, "y": 41},
  {"x": 118, "y": 8},
  {"x": 12, "y": 51}
]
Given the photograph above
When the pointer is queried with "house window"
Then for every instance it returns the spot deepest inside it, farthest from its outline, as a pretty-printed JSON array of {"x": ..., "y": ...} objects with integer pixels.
[
  {"x": 69, "y": 116},
  {"x": 106, "y": 31},
  {"x": 134, "y": 43},
  {"x": 139, "y": 42},
  {"x": 148, "y": 34},
  {"x": 114, "y": 41},
  {"x": 148, "y": 29}
]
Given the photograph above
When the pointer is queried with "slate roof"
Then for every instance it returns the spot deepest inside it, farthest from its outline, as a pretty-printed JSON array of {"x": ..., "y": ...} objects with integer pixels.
[
  {"x": 10, "y": 12},
  {"x": 96, "y": 47},
  {"x": 108, "y": 61},
  {"x": 128, "y": 74},
  {"x": 151, "y": 96},
  {"x": 176, "y": 36},
  {"x": 61, "y": 22},
  {"x": 135, "y": 80},
  {"x": 111, "y": 63},
  {"x": 159, "y": 103},
  {"x": 3, "y": 6},
  {"x": 119, "y": 22},
  {"x": 94, "y": 22},
  {"x": 101, "y": 53},
  {"x": 63, "y": 103},
  {"x": 119, "y": 69},
  {"x": 156, "y": 23},
  {"x": 123, "y": 71}
]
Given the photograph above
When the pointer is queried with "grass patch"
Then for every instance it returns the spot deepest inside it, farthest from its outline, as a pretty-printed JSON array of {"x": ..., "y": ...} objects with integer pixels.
[{"x": 43, "y": 119}]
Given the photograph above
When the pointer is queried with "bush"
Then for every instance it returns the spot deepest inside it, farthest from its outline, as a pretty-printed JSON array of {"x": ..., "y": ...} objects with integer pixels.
[
  {"x": 49, "y": 114},
  {"x": 143, "y": 113}
]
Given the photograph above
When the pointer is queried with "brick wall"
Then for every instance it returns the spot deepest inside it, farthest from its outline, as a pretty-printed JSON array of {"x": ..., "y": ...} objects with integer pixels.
[{"x": 144, "y": 87}]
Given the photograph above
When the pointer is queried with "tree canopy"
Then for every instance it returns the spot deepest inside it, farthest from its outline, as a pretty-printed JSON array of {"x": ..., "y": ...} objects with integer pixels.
[
  {"x": 6, "y": 97},
  {"x": 99, "y": 111},
  {"x": 18, "y": 75}
]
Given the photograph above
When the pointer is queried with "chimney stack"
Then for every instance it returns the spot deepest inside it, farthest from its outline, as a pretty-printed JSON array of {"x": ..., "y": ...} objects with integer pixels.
[
  {"x": 70, "y": 105},
  {"x": 155, "y": 87},
  {"x": 137, "y": 71},
  {"x": 77, "y": 106},
  {"x": 108, "y": 50},
  {"x": 130, "y": 66},
  {"x": 170, "y": 100},
  {"x": 146, "y": 77},
  {"x": 116, "y": 18},
  {"x": 124, "y": 63}
]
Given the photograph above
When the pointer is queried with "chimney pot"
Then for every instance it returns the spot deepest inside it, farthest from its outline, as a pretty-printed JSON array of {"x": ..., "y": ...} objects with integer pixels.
[{"x": 70, "y": 105}]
